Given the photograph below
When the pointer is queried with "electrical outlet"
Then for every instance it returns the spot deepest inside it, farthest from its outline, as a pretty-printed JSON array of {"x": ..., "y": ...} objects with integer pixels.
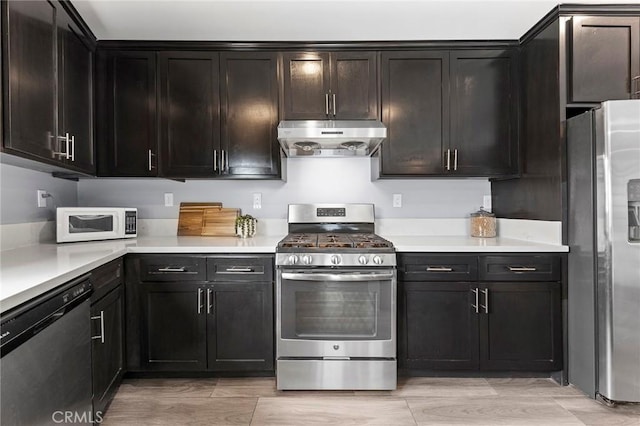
[
  {"x": 486, "y": 202},
  {"x": 168, "y": 199},
  {"x": 42, "y": 198},
  {"x": 257, "y": 200},
  {"x": 397, "y": 200}
]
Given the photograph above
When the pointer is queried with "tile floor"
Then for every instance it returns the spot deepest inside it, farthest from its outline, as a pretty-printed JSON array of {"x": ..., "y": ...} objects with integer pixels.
[{"x": 417, "y": 401}]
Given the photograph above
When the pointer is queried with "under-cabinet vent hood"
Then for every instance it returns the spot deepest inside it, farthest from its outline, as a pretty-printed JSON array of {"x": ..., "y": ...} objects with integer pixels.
[{"x": 330, "y": 138}]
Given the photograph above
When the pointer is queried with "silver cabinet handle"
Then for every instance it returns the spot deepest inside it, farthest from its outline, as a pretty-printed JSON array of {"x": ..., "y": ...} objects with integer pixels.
[
  {"x": 334, "y": 104},
  {"x": 209, "y": 293},
  {"x": 64, "y": 154},
  {"x": 101, "y": 336},
  {"x": 455, "y": 159},
  {"x": 72, "y": 157},
  {"x": 215, "y": 160},
  {"x": 199, "y": 300},
  {"x": 326, "y": 104},
  {"x": 476, "y": 306},
  {"x": 172, "y": 269},
  {"x": 224, "y": 160},
  {"x": 234, "y": 270},
  {"x": 635, "y": 81},
  {"x": 522, "y": 268},
  {"x": 335, "y": 277},
  {"x": 439, "y": 269},
  {"x": 151, "y": 154},
  {"x": 448, "y": 159},
  {"x": 485, "y": 291}
]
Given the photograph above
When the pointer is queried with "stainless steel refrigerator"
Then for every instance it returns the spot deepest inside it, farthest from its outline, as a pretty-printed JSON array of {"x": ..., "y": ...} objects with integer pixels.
[{"x": 603, "y": 188}]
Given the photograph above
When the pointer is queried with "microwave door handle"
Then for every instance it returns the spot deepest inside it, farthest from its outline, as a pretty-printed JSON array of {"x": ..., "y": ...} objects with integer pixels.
[{"x": 336, "y": 277}]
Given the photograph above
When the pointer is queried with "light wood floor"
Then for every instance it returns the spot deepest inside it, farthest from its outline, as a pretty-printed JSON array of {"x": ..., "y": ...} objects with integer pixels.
[{"x": 417, "y": 401}]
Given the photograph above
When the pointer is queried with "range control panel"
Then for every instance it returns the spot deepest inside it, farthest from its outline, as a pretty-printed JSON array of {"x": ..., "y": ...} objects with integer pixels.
[{"x": 331, "y": 212}]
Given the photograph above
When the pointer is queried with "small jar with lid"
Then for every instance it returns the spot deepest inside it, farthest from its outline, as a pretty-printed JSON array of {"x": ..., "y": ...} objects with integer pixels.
[{"x": 483, "y": 224}]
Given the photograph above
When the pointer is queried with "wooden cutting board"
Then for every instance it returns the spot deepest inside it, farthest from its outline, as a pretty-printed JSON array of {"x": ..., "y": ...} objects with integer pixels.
[{"x": 207, "y": 219}]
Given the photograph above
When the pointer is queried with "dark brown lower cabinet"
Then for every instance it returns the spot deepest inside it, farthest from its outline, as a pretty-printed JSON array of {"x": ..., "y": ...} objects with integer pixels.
[
  {"x": 107, "y": 328},
  {"x": 523, "y": 327},
  {"x": 184, "y": 318},
  {"x": 173, "y": 327},
  {"x": 506, "y": 325},
  {"x": 438, "y": 330}
]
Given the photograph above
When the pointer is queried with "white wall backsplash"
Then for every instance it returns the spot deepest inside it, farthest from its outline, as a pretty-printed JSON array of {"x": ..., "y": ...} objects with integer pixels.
[
  {"x": 14, "y": 235},
  {"x": 309, "y": 180},
  {"x": 18, "y": 201}
]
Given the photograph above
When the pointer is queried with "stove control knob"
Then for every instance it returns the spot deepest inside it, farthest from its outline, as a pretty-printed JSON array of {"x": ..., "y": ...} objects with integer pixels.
[
  {"x": 293, "y": 259},
  {"x": 363, "y": 260},
  {"x": 377, "y": 260},
  {"x": 306, "y": 259},
  {"x": 335, "y": 259}
]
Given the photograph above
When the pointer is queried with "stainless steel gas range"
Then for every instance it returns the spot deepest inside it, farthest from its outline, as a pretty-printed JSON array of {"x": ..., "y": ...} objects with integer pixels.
[{"x": 335, "y": 301}]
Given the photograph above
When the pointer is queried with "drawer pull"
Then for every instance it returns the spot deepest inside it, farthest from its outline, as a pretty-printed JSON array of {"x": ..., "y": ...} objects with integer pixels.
[
  {"x": 439, "y": 269},
  {"x": 101, "y": 336},
  {"x": 486, "y": 300},
  {"x": 522, "y": 268},
  {"x": 477, "y": 304},
  {"x": 171, "y": 269},
  {"x": 234, "y": 270}
]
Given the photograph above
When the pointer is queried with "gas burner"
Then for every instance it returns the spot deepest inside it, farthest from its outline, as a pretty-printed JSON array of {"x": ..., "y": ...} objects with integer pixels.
[
  {"x": 299, "y": 241},
  {"x": 353, "y": 145},
  {"x": 333, "y": 240},
  {"x": 307, "y": 146}
]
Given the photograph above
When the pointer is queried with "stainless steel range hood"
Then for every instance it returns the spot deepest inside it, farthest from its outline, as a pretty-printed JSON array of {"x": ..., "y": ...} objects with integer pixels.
[{"x": 330, "y": 138}]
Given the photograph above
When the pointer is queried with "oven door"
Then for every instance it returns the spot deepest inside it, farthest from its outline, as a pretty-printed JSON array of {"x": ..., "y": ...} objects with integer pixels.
[{"x": 336, "y": 314}]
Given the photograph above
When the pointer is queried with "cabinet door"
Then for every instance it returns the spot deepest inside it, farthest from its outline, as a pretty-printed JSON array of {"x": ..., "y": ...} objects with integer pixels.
[
  {"x": 31, "y": 86},
  {"x": 107, "y": 348},
  {"x": 605, "y": 57},
  {"x": 75, "y": 93},
  {"x": 240, "y": 326},
  {"x": 249, "y": 114},
  {"x": 173, "y": 336},
  {"x": 484, "y": 113},
  {"x": 354, "y": 85},
  {"x": 438, "y": 326},
  {"x": 127, "y": 114},
  {"x": 306, "y": 86},
  {"x": 190, "y": 111},
  {"x": 521, "y": 326},
  {"x": 415, "y": 109}
]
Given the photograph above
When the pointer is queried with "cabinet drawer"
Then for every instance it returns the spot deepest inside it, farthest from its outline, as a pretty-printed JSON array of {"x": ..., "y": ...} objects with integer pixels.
[
  {"x": 520, "y": 268},
  {"x": 240, "y": 268},
  {"x": 173, "y": 268},
  {"x": 105, "y": 278},
  {"x": 417, "y": 267}
]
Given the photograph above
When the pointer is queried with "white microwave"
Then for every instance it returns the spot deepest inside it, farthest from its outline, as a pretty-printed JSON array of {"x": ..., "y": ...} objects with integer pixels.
[{"x": 95, "y": 223}]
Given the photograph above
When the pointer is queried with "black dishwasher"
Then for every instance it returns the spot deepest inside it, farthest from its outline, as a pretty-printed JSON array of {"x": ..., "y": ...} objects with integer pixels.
[{"x": 45, "y": 368}]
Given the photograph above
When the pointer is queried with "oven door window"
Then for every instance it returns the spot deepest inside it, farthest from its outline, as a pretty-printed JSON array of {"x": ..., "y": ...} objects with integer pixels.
[
  {"x": 80, "y": 224},
  {"x": 317, "y": 310}
]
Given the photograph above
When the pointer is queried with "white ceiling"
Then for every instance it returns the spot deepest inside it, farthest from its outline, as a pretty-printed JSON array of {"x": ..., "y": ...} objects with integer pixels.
[{"x": 313, "y": 20}]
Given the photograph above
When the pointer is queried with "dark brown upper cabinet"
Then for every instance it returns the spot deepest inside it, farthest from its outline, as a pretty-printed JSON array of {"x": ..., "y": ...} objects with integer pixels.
[
  {"x": 219, "y": 114},
  {"x": 449, "y": 113},
  {"x": 127, "y": 118},
  {"x": 484, "y": 113},
  {"x": 335, "y": 85},
  {"x": 49, "y": 86},
  {"x": 604, "y": 58},
  {"x": 415, "y": 109},
  {"x": 249, "y": 114},
  {"x": 190, "y": 114}
]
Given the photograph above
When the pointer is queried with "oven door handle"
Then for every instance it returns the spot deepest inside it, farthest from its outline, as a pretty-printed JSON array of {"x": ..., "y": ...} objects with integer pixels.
[{"x": 336, "y": 277}]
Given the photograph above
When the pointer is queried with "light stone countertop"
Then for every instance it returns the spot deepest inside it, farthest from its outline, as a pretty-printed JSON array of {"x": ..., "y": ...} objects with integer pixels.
[{"x": 30, "y": 271}]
